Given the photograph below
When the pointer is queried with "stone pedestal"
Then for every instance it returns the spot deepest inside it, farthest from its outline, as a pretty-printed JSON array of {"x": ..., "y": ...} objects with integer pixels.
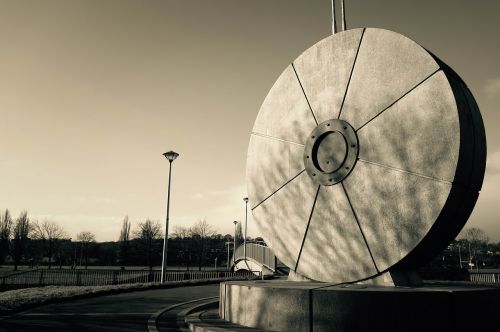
[{"x": 311, "y": 306}]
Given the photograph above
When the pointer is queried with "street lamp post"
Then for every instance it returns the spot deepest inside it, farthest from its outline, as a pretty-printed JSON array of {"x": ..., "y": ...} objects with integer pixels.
[
  {"x": 245, "y": 235},
  {"x": 170, "y": 155},
  {"x": 234, "y": 242},
  {"x": 228, "y": 244}
]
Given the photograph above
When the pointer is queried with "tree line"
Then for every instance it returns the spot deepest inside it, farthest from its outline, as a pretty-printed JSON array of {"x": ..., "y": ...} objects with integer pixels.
[
  {"x": 29, "y": 242},
  {"x": 472, "y": 250},
  {"x": 33, "y": 243}
]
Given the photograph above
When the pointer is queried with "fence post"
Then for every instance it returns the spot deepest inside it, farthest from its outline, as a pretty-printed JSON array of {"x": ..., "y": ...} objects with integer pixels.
[
  {"x": 115, "y": 277},
  {"x": 40, "y": 280},
  {"x": 78, "y": 278}
]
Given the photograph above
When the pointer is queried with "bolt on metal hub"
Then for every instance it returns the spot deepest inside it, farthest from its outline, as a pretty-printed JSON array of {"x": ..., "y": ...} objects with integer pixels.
[{"x": 331, "y": 152}]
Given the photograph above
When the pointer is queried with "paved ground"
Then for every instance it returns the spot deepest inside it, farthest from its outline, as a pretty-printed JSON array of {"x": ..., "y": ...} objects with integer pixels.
[{"x": 122, "y": 312}]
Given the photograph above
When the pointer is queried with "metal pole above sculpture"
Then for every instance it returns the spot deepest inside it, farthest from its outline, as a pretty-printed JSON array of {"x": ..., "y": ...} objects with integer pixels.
[
  {"x": 171, "y": 156},
  {"x": 228, "y": 264},
  {"x": 245, "y": 234},
  {"x": 234, "y": 242}
]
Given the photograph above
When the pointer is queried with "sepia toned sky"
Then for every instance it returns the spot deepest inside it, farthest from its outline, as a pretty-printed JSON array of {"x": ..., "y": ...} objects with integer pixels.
[{"x": 93, "y": 92}]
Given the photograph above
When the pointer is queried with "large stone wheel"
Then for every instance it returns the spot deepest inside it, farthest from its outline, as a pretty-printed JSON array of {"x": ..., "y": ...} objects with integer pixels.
[{"x": 367, "y": 154}]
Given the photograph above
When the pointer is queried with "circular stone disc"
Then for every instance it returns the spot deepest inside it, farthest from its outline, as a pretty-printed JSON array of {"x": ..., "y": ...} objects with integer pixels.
[{"x": 415, "y": 150}]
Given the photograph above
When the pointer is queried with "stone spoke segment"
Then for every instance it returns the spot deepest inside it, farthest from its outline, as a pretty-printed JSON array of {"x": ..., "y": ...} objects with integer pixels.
[
  {"x": 285, "y": 113},
  {"x": 282, "y": 218},
  {"x": 395, "y": 209},
  {"x": 271, "y": 163},
  {"x": 388, "y": 66},
  {"x": 324, "y": 71},
  {"x": 334, "y": 249},
  {"x": 419, "y": 134}
]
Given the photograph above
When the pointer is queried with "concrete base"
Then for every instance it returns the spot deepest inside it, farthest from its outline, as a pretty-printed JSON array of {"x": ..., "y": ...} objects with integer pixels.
[{"x": 308, "y": 306}]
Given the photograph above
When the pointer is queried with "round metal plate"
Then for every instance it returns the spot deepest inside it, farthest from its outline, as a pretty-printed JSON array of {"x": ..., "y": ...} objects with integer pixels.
[
  {"x": 331, "y": 152},
  {"x": 412, "y": 179}
]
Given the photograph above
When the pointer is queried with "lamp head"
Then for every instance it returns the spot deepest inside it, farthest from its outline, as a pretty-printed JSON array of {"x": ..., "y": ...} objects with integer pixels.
[
  {"x": 245, "y": 199},
  {"x": 171, "y": 155}
]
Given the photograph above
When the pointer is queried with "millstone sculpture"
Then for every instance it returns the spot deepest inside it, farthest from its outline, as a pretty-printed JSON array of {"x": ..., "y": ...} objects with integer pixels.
[{"x": 367, "y": 155}]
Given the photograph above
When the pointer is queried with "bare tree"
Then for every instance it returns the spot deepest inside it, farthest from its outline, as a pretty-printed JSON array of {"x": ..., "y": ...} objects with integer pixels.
[
  {"x": 85, "y": 238},
  {"x": 124, "y": 240},
  {"x": 125, "y": 231},
  {"x": 181, "y": 232},
  {"x": 476, "y": 238},
  {"x": 147, "y": 233},
  {"x": 239, "y": 234},
  {"x": 20, "y": 237},
  {"x": 50, "y": 232},
  {"x": 5, "y": 230},
  {"x": 203, "y": 229},
  {"x": 200, "y": 232}
]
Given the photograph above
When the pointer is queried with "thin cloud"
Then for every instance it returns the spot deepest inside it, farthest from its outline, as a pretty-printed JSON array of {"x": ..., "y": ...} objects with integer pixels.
[
  {"x": 105, "y": 227},
  {"x": 95, "y": 200},
  {"x": 227, "y": 206},
  {"x": 493, "y": 164},
  {"x": 6, "y": 162},
  {"x": 198, "y": 196},
  {"x": 492, "y": 87}
]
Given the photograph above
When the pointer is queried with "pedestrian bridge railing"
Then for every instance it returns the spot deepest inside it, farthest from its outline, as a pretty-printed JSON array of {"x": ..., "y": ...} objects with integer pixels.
[
  {"x": 44, "y": 277},
  {"x": 259, "y": 253}
]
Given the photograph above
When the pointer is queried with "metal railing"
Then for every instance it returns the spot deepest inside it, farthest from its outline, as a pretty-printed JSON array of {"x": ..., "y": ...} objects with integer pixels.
[
  {"x": 485, "y": 277},
  {"x": 42, "y": 277},
  {"x": 257, "y": 252}
]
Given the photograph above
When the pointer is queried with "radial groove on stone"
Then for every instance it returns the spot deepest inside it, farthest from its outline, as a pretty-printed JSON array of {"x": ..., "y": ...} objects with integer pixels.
[
  {"x": 307, "y": 227},
  {"x": 388, "y": 66},
  {"x": 270, "y": 164},
  {"x": 324, "y": 71},
  {"x": 419, "y": 134},
  {"x": 334, "y": 249},
  {"x": 285, "y": 113},
  {"x": 395, "y": 209},
  {"x": 283, "y": 225}
]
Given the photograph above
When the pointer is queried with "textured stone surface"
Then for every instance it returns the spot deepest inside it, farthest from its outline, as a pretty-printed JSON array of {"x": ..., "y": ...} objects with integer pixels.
[
  {"x": 309, "y": 306},
  {"x": 324, "y": 71},
  {"x": 334, "y": 249},
  {"x": 395, "y": 209},
  {"x": 418, "y": 134},
  {"x": 388, "y": 66},
  {"x": 274, "y": 307},
  {"x": 422, "y": 153},
  {"x": 285, "y": 231},
  {"x": 285, "y": 113},
  {"x": 270, "y": 164}
]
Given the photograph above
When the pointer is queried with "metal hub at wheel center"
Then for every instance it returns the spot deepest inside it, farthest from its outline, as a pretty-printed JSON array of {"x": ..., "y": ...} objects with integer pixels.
[{"x": 331, "y": 152}]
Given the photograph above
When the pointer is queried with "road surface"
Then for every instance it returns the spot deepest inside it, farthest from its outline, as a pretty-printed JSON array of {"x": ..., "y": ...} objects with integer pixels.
[{"x": 120, "y": 312}]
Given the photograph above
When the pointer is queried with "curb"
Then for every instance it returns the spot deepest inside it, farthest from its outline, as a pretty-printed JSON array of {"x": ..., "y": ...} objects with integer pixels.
[{"x": 153, "y": 319}]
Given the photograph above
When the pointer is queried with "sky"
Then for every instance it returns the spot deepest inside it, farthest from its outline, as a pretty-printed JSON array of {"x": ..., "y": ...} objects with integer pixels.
[{"x": 93, "y": 92}]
